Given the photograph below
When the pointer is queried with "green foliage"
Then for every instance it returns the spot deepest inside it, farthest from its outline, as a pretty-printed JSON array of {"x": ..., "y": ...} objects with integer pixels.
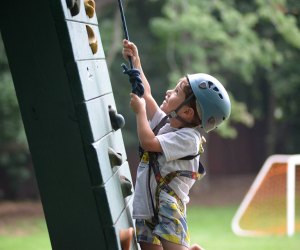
[
  {"x": 11, "y": 126},
  {"x": 252, "y": 47},
  {"x": 13, "y": 145},
  {"x": 276, "y": 12},
  {"x": 138, "y": 14},
  {"x": 215, "y": 38}
]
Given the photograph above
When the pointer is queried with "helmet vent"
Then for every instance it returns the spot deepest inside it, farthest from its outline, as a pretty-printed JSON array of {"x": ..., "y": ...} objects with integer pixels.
[
  {"x": 210, "y": 84},
  {"x": 215, "y": 89},
  {"x": 202, "y": 85}
]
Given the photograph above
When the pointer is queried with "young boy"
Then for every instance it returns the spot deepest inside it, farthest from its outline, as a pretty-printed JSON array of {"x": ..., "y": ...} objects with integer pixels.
[{"x": 169, "y": 137}]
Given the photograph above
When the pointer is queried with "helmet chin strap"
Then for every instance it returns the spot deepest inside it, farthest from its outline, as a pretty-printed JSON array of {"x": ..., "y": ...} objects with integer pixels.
[
  {"x": 179, "y": 118},
  {"x": 173, "y": 114}
]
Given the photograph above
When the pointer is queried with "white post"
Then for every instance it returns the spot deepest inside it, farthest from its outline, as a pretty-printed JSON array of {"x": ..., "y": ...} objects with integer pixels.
[{"x": 291, "y": 184}]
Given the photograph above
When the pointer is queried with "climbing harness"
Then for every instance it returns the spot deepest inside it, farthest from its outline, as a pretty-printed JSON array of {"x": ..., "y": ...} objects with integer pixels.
[
  {"x": 163, "y": 182},
  {"x": 134, "y": 74}
]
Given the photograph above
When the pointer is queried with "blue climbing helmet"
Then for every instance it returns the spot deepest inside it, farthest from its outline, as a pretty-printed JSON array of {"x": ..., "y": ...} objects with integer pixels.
[{"x": 213, "y": 103}]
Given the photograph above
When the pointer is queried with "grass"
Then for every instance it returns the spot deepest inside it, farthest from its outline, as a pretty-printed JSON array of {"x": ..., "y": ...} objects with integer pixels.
[
  {"x": 26, "y": 234},
  {"x": 209, "y": 227}
]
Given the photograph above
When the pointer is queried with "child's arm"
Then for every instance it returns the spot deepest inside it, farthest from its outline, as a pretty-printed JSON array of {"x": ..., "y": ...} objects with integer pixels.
[
  {"x": 147, "y": 138},
  {"x": 130, "y": 49}
]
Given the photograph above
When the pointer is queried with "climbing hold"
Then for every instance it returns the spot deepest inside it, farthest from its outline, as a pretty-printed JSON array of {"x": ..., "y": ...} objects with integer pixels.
[
  {"x": 89, "y": 6},
  {"x": 126, "y": 236},
  {"x": 74, "y": 6},
  {"x": 117, "y": 121},
  {"x": 126, "y": 186},
  {"x": 114, "y": 158},
  {"x": 92, "y": 39}
]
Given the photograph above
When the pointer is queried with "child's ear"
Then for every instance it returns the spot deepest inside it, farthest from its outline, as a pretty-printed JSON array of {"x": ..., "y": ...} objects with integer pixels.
[{"x": 189, "y": 112}]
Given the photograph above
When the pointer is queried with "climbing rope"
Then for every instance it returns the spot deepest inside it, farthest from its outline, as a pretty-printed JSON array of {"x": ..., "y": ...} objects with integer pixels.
[
  {"x": 135, "y": 80},
  {"x": 134, "y": 74}
]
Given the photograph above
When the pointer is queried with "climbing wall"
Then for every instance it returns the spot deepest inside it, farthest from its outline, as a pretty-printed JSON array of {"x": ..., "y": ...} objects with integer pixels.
[{"x": 71, "y": 121}]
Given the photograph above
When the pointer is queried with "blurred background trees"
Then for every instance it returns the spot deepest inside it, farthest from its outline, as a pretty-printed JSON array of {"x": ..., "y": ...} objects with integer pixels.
[
  {"x": 15, "y": 164},
  {"x": 253, "y": 47}
]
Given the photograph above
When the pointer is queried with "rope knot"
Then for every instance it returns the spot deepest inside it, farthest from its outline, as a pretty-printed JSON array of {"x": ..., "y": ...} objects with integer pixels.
[{"x": 135, "y": 80}]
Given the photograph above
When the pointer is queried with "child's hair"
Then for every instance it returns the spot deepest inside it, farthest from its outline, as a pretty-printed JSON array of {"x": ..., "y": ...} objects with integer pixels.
[{"x": 192, "y": 103}]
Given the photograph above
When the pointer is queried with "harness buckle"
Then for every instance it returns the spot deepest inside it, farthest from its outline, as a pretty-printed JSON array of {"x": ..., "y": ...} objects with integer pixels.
[{"x": 172, "y": 114}]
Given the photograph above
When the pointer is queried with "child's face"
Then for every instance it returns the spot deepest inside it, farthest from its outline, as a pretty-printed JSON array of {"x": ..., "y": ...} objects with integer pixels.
[{"x": 174, "y": 97}]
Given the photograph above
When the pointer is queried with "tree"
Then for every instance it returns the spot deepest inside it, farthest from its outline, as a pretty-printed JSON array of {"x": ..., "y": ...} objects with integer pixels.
[
  {"x": 14, "y": 154},
  {"x": 138, "y": 15},
  {"x": 247, "y": 46},
  {"x": 280, "y": 23}
]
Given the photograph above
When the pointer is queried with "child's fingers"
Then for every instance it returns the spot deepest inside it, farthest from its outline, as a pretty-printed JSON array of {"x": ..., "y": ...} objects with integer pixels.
[
  {"x": 134, "y": 102},
  {"x": 127, "y": 52},
  {"x": 134, "y": 99},
  {"x": 133, "y": 96},
  {"x": 129, "y": 45}
]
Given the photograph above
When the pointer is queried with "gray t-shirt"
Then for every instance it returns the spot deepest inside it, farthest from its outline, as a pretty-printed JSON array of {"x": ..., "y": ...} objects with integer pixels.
[{"x": 175, "y": 143}]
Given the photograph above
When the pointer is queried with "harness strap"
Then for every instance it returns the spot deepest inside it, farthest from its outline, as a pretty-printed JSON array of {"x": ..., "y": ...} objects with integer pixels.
[
  {"x": 160, "y": 124},
  {"x": 163, "y": 182},
  {"x": 185, "y": 173}
]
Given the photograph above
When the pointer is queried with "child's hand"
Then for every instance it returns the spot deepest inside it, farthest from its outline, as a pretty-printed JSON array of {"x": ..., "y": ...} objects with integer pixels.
[
  {"x": 130, "y": 50},
  {"x": 137, "y": 104}
]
